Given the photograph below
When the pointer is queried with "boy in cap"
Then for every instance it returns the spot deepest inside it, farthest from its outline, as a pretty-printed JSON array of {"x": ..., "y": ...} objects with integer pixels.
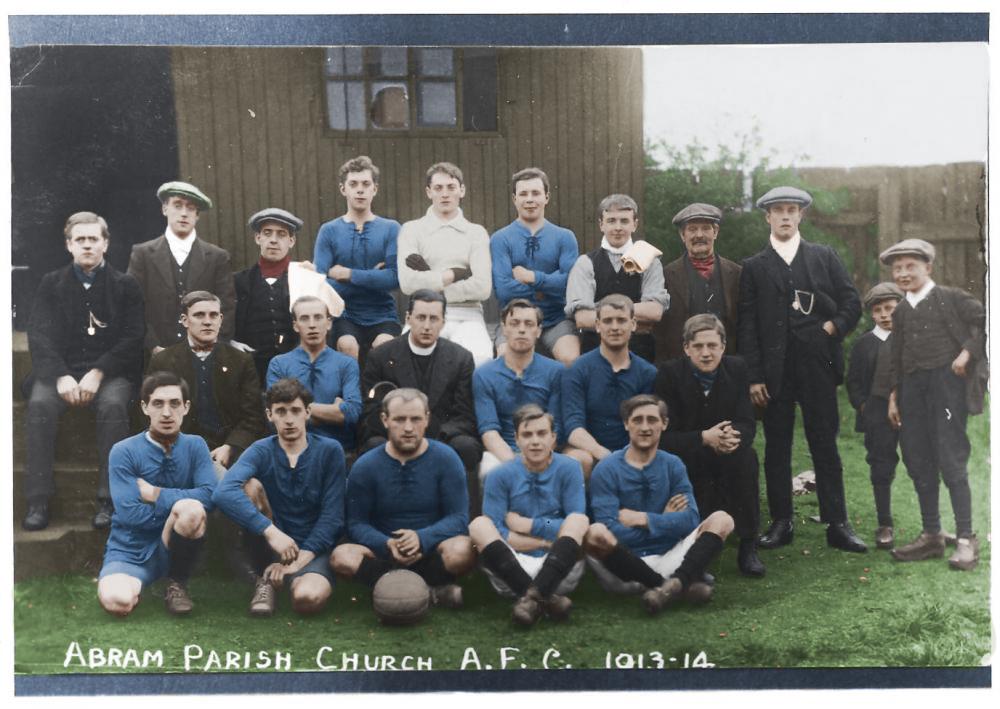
[
  {"x": 263, "y": 320},
  {"x": 178, "y": 262},
  {"x": 797, "y": 303},
  {"x": 938, "y": 378},
  {"x": 868, "y": 386}
]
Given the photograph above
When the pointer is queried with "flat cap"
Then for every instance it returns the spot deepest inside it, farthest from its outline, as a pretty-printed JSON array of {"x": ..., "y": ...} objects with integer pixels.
[
  {"x": 785, "y": 194},
  {"x": 908, "y": 247},
  {"x": 698, "y": 210},
  {"x": 184, "y": 189},
  {"x": 273, "y": 214},
  {"x": 883, "y": 291}
]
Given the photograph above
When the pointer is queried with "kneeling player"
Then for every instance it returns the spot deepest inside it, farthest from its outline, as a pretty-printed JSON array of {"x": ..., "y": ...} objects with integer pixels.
[
  {"x": 646, "y": 537},
  {"x": 408, "y": 506},
  {"x": 533, "y": 523},
  {"x": 161, "y": 486},
  {"x": 288, "y": 491}
]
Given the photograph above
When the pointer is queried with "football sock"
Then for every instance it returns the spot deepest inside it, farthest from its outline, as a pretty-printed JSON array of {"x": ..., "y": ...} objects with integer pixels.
[
  {"x": 629, "y": 567},
  {"x": 498, "y": 558},
  {"x": 261, "y": 554},
  {"x": 705, "y": 548},
  {"x": 184, "y": 554},
  {"x": 434, "y": 572},
  {"x": 371, "y": 570},
  {"x": 563, "y": 553}
]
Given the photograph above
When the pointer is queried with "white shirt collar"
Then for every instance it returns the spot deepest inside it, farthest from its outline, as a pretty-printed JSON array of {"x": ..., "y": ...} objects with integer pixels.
[
  {"x": 787, "y": 249},
  {"x": 458, "y": 222},
  {"x": 199, "y": 354},
  {"x": 606, "y": 245},
  {"x": 881, "y": 333},
  {"x": 155, "y": 442},
  {"x": 421, "y": 351},
  {"x": 914, "y": 298},
  {"x": 180, "y": 248}
]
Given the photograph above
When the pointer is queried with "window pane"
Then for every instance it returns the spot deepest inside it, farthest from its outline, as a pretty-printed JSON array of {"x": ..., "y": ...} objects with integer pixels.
[
  {"x": 391, "y": 61},
  {"x": 334, "y": 61},
  {"x": 346, "y": 104},
  {"x": 390, "y": 107},
  {"x": 479, "y": 89},
  {"x": 435, "y": 62},
  {"x": 437, "y": 104},
  {"x": 353, "y": 61}
]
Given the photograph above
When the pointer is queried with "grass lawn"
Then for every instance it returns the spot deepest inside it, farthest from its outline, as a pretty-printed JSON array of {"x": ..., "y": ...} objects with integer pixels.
[{"x": 816, "y": 607}]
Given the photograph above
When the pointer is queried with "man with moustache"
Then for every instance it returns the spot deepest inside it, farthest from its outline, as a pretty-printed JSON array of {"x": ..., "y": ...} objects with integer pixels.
[
  {"x": 178, "y": 262},
  {"x": 161, "y": 484},
  {"x": 700, "y": 281},
  {"x": 288, "y": 491},
  {"x": 331, "y": 377},
  {"x": 85, "y": 337},
  {"x": 407, "y": 506},
  {"x": 600, "y": 273},
  {"x": 797, "y": 304}
]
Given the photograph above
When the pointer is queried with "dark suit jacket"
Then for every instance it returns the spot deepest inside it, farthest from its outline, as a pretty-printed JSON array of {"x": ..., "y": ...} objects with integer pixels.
[
  {"x": 152, "y": 263},
  {"x": 449, "y": 396},
  {"x": 59, "y": 320},
  {"x": 690, "y": 412},
  {"x": 670, "y": 330},
  {"x": 235, "y": 387},
  {"x": 763, "y": 311},
  {"x": 860, "y": 372}
]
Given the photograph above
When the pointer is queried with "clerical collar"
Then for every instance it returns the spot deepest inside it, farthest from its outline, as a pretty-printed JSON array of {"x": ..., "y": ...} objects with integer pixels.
[
  {"x": 201, "y": 351},
  {"x": 914, "y": 298},
  {"x": 787, "y": 249},
  {"x": 421, "y": 351},
  {"x": 273, "y": 269},
  {"x": 881, "y": 333},
  {"x": 87, "y": 279},
  {"x": 606, "y": 245}
]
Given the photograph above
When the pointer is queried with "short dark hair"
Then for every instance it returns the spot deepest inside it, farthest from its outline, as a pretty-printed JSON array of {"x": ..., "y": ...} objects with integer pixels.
[
  {"x": 308, "y": 299},
  {"x": 195, "y": 297},
  {"x": 358, "y": 164},
  {"x": 529, "y": 173},
  {"x": 85, "y": 218},
  {"x": 407, "y": 394},
  {"x": 285, "y": 391},
  {"x": 426, "y": 295},
  {"x": 700, "y": 323},
  {"x": 617, "y": 203},
  {"x": 445, "y": 168},
  {"x": 531, "y": 412},
  {"x": 633, "y": 403},
  {"x": 519, "y": 303},
  {"x": 154, "y": 380},
  {"x": 616, "y": 301}
]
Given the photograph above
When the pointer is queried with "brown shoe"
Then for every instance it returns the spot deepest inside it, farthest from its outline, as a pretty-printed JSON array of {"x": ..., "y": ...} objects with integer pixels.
[
  {"x": 698, "y": 593},
  {"x": 447, "y": 596},
  {"x": 264, "y": 599},
  {"x": 926, "y": 546},
  {"x": 176, "y": 598},
  {"x": 656, "y": 599},
  {"x": 528, "y": 608},
  {"x": 966, "y": 556},
  {"x": 557, "y": 607},
  {"x": 884, "y": 538}
]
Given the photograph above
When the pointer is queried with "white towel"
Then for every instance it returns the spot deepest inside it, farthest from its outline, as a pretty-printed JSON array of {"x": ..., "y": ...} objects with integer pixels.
[
  {"x": 639, "y": 257},
  {"x": 303, "y": 280}
]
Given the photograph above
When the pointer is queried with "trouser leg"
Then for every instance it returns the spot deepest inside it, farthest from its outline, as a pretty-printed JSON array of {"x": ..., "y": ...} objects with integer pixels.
[
  {"x": 916, "y": 437},
  {"x": 734, "y": 478},
  {"x": 111, "y": 406},
  {"x": 779, "y": 424},
  {"x": 470, "y": 450},
  {"x": 817, "y": 395},
  {"x": 45, "y": 406},
  {"x": 881, "y": 441},
  {"x": 951, "y": 416}
]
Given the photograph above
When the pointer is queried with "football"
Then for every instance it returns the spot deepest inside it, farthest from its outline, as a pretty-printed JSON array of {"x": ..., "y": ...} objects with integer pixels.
[{"x": 401, "y": 597}]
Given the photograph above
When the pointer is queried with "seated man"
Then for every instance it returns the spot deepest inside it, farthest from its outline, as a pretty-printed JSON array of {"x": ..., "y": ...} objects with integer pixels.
[
  {"x": 712, "y": 428},
  {"x": 422, "y": 359},
  {"x": 407, "y": 506},
  {"x": 331, "y": 377},
  {"x": 161, "y": 484},
  {"x": 85, "y": 336},
  {"x": 646, "y": 537},
  {"x": 517, "y": 377},
  {"x": 596, "y": 384},
  {"x": 288, "y": 491},
  {"x": 225, "y": 393},
  {"x": 534, "y": 519}
]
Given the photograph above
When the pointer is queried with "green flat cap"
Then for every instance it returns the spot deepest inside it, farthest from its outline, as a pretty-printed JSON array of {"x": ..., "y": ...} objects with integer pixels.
[
  {"x": 908, "y": 247},
  {"x": 184, "y": 189},
  {"x": 785, "y": 193},
  {"x": 883, "y": 291},
  {"x": 698, "y": 210},
  {"x": 273, "y": 214}
]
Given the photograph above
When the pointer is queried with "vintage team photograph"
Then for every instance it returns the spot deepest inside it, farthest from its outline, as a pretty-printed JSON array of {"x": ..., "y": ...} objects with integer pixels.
[{"x": 337, "y": 366}]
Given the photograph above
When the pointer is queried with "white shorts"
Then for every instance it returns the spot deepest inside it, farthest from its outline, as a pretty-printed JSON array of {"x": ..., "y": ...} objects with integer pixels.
[
  {"x": 532, "y": 565},
  {"x": 663, "y": 564},
  {"x": 486, "y": 466}
]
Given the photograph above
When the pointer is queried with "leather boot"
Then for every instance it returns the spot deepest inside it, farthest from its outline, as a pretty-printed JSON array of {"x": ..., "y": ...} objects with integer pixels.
[
  {"x": 747, "y": 560},
  {"x": 777, "y": 535}
]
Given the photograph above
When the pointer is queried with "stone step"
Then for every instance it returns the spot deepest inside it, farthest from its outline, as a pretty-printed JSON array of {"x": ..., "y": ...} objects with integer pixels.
[
  {"x": 75, "y": 440},
  {"x": 73, "y": 502}
]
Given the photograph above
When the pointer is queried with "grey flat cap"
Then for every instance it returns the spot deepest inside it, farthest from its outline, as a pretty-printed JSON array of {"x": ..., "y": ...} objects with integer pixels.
[
  {"x": 273, "y": 214},
  {"x": 785, "y": 194},
  {"x": 698, "y": 210},
  {"x": 908, "y": 247},
  {"x": 883, "y": 291},
  {"x": 184, "y": 189}
]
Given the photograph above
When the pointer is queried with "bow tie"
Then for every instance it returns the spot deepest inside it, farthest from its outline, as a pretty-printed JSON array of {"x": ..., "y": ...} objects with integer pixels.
[{"x": 202, "y": 348}]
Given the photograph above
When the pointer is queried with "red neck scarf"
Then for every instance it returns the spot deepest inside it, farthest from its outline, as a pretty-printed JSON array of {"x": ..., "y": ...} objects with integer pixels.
[
  {"x": 704, "y": 266},
  {"x": 273, "y": 269}
]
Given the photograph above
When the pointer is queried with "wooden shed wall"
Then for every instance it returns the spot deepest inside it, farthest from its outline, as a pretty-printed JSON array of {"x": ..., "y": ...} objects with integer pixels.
[{"x": 252, "y": 133}]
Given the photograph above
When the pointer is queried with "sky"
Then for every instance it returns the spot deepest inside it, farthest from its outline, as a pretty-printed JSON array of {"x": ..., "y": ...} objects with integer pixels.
[{"x": 835, "y": 105}]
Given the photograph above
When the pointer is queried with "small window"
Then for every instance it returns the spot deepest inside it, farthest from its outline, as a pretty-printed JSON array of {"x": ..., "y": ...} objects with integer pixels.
[{"x": 405, "y": 88}]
